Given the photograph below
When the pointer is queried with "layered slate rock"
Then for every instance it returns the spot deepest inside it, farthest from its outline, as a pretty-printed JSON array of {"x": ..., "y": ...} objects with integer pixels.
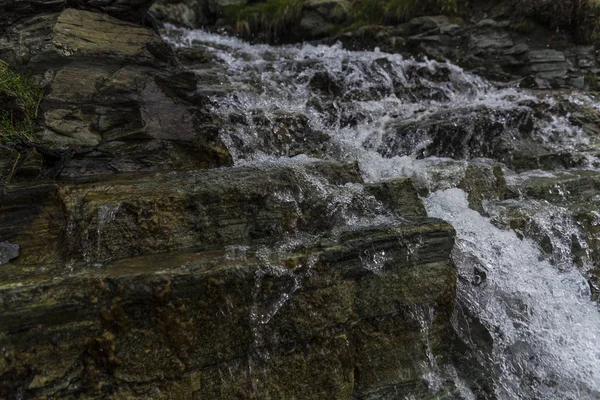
[
  {"x": 523, "y": 137},
  {"x": 114, "y": 88},
  {"x": 131, "y": 10},
  {"x": 312, "y": 325},
  {"x": 494, "y": 48},
  {"x": 221, "y": 284}
]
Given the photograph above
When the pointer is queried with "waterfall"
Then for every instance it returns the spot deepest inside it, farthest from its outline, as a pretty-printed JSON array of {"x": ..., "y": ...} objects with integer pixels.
[
  {"x": 429, "y": 120},
  {"x": 546, "y": 331}
]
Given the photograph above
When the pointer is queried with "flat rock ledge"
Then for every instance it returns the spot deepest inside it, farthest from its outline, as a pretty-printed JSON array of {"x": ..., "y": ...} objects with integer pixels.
[{"x": 221, "y": 284}]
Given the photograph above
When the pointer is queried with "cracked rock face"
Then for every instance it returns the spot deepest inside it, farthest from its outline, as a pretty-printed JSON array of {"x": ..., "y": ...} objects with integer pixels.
[
  {"x": 131, "y": 10},
  {"x": 222, "y": 283},
  {"x": 114, "y": 87}
]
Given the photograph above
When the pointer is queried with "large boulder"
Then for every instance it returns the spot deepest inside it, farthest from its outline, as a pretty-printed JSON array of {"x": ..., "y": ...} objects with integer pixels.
[
  {"x": 114, "y": 86},
  {"x": 523, "y": 137},
  {"x": 130, "y": 10},
  {"x": 219, "y": 284}
]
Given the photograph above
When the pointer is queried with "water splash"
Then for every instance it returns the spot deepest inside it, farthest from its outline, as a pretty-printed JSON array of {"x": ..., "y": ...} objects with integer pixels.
[
  {"x": 384, "y": 111},
  {"x": 545, "y": 328}
]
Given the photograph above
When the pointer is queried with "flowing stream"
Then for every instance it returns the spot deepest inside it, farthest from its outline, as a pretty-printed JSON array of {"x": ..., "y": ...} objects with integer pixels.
[{"x": 293, "y": 103}]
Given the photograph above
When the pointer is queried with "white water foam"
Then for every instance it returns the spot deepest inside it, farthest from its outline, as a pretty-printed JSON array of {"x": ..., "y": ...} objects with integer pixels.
[{"x": 545, "y": 328}]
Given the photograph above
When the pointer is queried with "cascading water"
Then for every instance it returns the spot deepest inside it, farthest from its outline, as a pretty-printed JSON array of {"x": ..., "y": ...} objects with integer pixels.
[
  {"x": 427, "y": 120},
  {"x": 544, "y": 328}
]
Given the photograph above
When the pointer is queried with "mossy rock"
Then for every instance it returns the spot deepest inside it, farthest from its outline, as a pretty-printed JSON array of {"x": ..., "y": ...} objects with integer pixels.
[{"x": 214, "y": 326}]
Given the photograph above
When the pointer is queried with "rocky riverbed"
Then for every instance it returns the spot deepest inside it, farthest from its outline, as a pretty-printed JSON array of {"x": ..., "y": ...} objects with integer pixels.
[{"x": 199, "y": 217}]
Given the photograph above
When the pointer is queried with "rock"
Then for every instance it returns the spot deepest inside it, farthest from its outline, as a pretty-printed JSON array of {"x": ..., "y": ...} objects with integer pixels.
[
  {"x": 324, "y": 83},
  {"x": 483, "y": 182},
  {"x": 133, "y": 10},
  {"x": 195, "y": 57},
  {"x": 137, "y": 93},
  {"x": 168, "y": 212},
  {"x": 341, "y": 326},
  {"x": 558, "y": 210},
  {"x": 518, "y": 137},
  {"x": 494, "y": 40},
  {"x": 217, "y": 302},
  {"x": 488, "y": 46},
  {"x": 31, "y": 216},
  {"x": 279, "y": 133},
  {"x": 545, "y": 56},
  {"x": 8, "y": 159},
  {"x": 190, "y": 13},
  {"x": 8, "y": 251},
  {"x": 399, "y": 195}
]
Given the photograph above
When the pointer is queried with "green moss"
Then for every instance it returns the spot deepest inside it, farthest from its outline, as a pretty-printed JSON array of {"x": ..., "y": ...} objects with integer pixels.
[
  {"x": 398, "y": 11},
  {"x": 275, "y": 18},
  {"x": 523, "y": 25},
  {"x": 278, "y": 19},
  {"x": 25, "y": 96},
  {"x": 580, "y": 18}
]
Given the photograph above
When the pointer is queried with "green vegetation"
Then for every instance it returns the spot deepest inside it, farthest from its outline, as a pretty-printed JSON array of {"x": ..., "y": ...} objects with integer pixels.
[
  {"x": 19, "y": 104},
  {"x": 398, "y": 11},
  {"x": 275, "y": 18},
  {"x": 279, "y": 18},
  {"x": 581, "y": 18}
]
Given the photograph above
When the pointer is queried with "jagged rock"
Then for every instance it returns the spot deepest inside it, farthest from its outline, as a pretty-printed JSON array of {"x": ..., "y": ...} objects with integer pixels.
[
  {"x": 518, "y": 137},
  {"x": 137, "y": 94},
  {"x": 8, "y": 251},
  {"x": 279, "y": 133},
  {"x": 168, "y": 212},
  {"x": 217, "y": 304},
  {"x": 131, "y": 10}
]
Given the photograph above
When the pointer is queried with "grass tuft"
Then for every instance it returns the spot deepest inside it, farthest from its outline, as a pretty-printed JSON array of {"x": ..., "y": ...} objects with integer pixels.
[
  {"x": 581, "y": 18},
  {"x": 275, "y": 18},
  {"x": 19, "y": 105},
  {"x": 399, "y": 11}
]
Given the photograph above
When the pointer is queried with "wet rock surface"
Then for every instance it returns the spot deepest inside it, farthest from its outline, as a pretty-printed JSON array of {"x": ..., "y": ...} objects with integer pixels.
[
  {"x": 496, "y": 42},
  {"x": 133, "y": 11},
  {"x": 116, "y": 99},
  {"x": 492, "y": 48},
  {"x": 136, "y": 262},
  {"x": 224, "y": 280}
]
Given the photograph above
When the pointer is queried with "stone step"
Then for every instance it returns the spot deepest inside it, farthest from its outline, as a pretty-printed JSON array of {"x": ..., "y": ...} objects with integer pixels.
[
  {"x": 341, "y": 316},
  {"x": 565, "y": 187},
  {"x": 190, "y": 211}
]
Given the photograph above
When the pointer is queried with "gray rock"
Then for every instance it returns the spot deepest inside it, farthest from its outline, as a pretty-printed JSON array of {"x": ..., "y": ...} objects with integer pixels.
[
  {"x": 545, "y": 56},
  {"x": 8, "y": 251},
  {"x": 108, "y": 80},
  {"x": 491, "y": 40},
  {"x": 320, "y": 17},
  {"x": 11, "y": 11}
]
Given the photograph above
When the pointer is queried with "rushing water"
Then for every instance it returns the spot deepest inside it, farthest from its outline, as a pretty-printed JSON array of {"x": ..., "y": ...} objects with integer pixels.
[{"x": 536, "y": 306}]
